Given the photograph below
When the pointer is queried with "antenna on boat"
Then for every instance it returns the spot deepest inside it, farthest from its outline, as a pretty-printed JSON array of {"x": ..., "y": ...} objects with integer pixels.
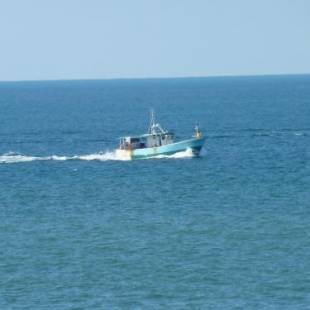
[
  {"x": 198, "y": 133},
  {"x": 152, "y": 121}
]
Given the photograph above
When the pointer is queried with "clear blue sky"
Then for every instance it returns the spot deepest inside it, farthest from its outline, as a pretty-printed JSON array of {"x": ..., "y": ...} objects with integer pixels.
[{"x": 70, "y": 39}]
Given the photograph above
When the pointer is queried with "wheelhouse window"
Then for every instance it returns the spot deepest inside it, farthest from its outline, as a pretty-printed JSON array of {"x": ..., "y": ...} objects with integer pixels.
[{"x": 134, "y": 140}]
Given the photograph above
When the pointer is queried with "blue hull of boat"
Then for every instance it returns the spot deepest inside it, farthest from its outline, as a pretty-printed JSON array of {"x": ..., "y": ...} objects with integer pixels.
[{"x": 195, "y": 144}]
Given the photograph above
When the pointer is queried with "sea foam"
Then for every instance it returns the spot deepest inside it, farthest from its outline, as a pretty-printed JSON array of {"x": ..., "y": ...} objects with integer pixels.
[{"x": 11, "y": 157}]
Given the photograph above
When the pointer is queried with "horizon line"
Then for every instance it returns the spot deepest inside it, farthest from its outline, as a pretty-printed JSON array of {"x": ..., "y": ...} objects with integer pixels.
[{"x": 155, "y": 77}]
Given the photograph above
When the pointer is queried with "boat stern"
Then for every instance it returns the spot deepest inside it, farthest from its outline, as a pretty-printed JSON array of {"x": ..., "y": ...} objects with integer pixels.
[{"x": 124, "y": 154}]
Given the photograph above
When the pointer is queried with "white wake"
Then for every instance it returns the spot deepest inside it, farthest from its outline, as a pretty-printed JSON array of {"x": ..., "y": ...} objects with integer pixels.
[{"x": 11, "y": 157}]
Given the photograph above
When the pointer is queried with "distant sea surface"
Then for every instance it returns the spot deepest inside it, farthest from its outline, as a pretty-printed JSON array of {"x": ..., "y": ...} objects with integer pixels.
[{"x": 81, "y": 229}]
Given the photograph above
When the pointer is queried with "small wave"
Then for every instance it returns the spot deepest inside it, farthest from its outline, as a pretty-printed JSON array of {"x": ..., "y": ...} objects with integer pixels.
[
  {"x": 300, "y": 134},
  {"x": 223, "y": 136},
  {"x": 258, "y": 133}
]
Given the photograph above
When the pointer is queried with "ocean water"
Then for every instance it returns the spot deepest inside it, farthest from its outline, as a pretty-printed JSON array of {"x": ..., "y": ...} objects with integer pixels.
[{"x": 83, "y": 229}]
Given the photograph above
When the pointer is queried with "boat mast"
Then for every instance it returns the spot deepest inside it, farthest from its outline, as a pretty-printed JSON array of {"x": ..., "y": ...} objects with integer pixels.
[{"x": 155, "y": 129}]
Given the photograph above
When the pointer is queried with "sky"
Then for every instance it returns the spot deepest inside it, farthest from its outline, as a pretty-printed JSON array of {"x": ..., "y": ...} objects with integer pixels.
[{"x": 99, "y": 39}]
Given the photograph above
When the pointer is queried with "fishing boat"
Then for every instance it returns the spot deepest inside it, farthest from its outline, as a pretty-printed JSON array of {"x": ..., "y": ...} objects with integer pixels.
[{"x": 158, "y": 141}]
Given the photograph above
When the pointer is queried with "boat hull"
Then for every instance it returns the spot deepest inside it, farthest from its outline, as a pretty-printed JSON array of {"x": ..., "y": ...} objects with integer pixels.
[{"x": 194, "y": 144}]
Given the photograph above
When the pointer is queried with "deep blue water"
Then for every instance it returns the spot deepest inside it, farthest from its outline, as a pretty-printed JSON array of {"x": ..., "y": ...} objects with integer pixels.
[{"x": 228, "y": 230}]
